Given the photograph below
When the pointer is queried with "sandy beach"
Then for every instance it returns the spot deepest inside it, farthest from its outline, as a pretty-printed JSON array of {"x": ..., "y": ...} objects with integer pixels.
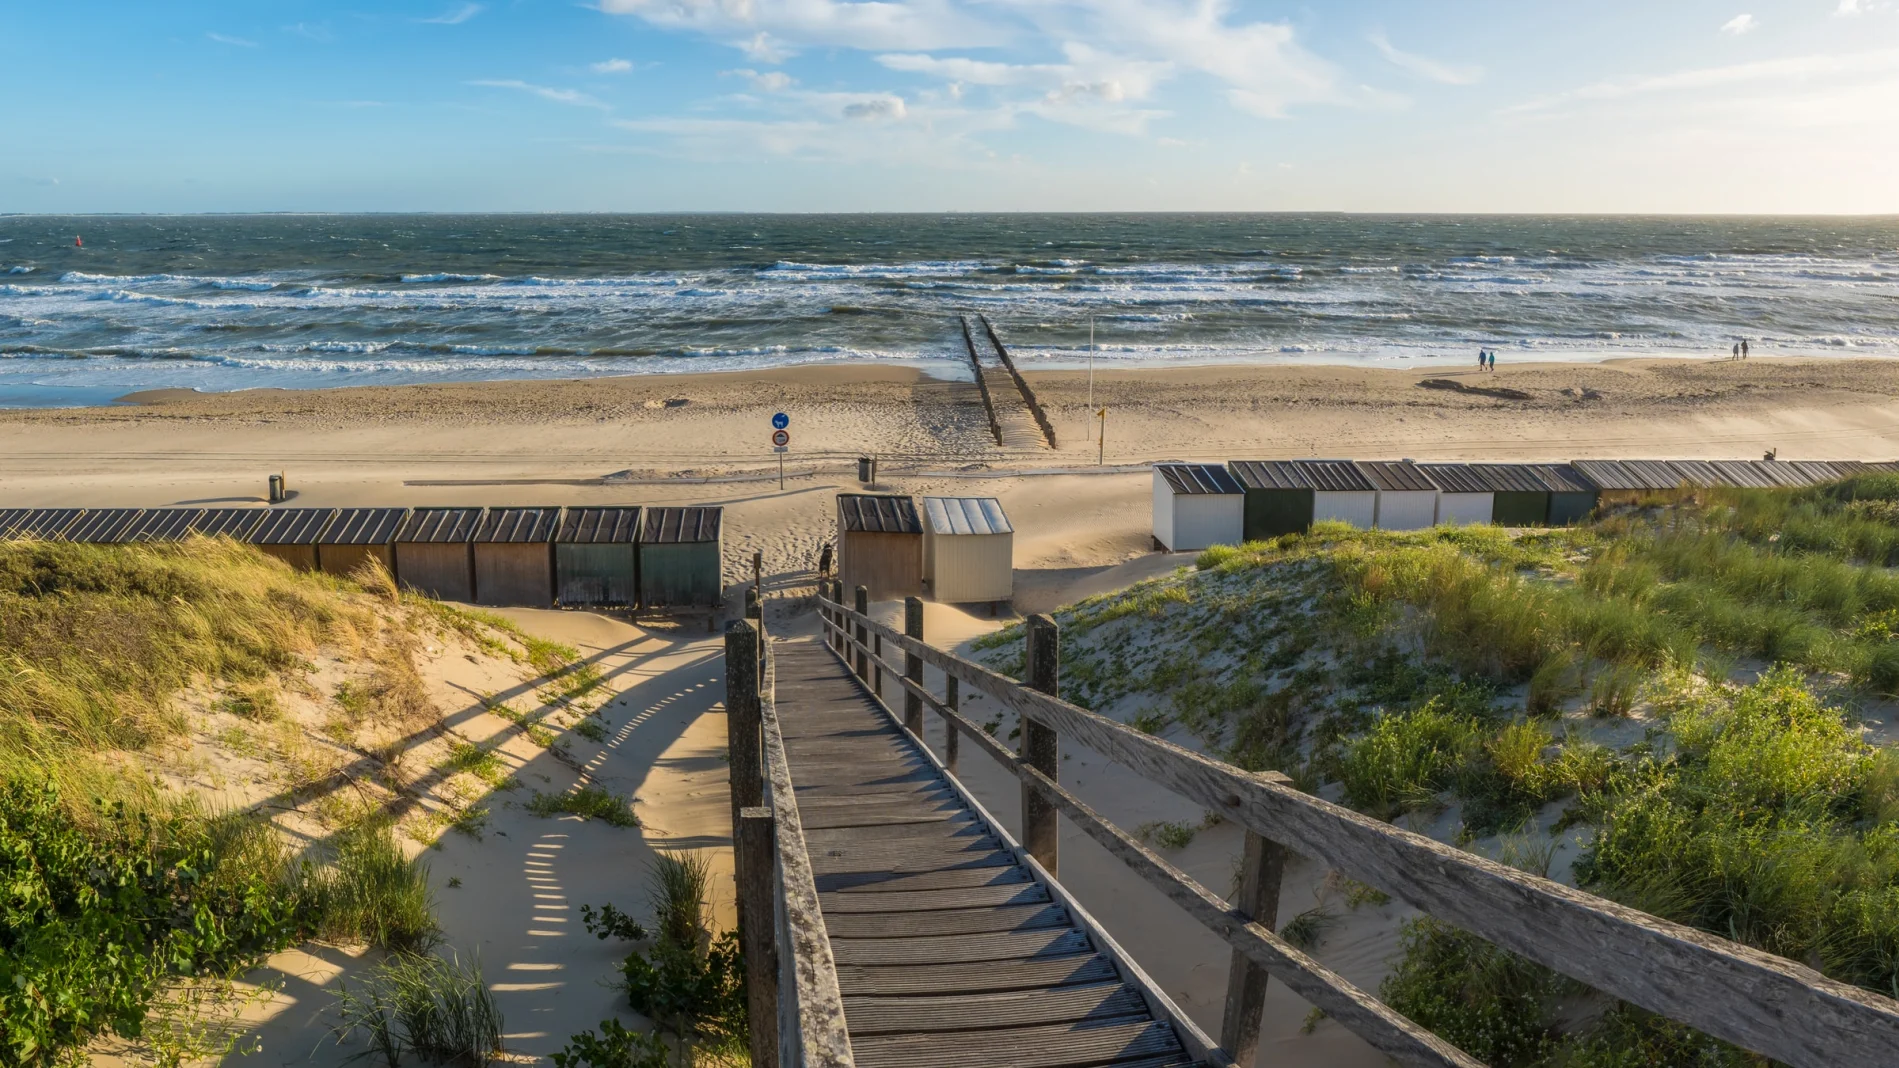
[{"x": 1081, "y": 530}]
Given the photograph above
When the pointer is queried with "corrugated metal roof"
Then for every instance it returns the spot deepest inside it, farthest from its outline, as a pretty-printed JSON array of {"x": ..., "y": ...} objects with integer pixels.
[
  {"x": 1654, "y": 474},
  {"x": 966, "y": 515},
  {"x": 1742, "y": 473},
  {"x": 1186, "y": 479},
  {"x": 1561, "y": 478},
  {"x": 440, "y": 526},
  {"x": 598, "y": 526},
  {"x": 365, "y": 526},
  {"x": 1782, "y": 474},
  {"x": 1395, "y": 475},
  {"x": 878, "y": 513},
  {"x": 10, "y": 516},
  {"x": 45, "y": 523},
  {"x": 104, "y": 526},
  {"x": 1509, "y": 478},
  {"x": 669, "y": 526},
  {"x": 1816, "y": 471},
  {"x": 1607, "y": 474},
  {"x": 1698, "y": 473},
  {"x": 1847, "y": 468},
  {"x": 1269, "y": 474},
  {"x": 290, "y": 526},
  {"x": 163, "y": 524},
  {"x": 518, "y": 526},
  {"x": 229, "y": 522},
  {"x": 1334, "y": 476},
  {"x": 1454, "y": 478}
]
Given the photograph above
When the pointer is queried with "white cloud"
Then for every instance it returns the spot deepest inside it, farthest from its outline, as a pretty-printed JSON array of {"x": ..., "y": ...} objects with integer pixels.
[
  {"x": 1740, "y": 24},
  {"x": 315, "y": 31},
  {"x": 1849, "y": 7},
  {"x": 771, "y": 81},
  {"x": 1423, "y": 67},
  {"x": 456, "y": 17},
  {"x": 876, "y": 109},
  {"x": 612, "y": 66},
  {"x": 770, "y": 30},
  {"x": 571, "y": 97},
  {"x": 228, "y": 40},
  {"x": 1792, "y": 70}
]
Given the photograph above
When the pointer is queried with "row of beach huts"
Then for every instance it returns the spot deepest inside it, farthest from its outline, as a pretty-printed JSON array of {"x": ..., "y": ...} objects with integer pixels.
[
  {"x": 620, "y": 557},
  {"x": 1197, "y": 505}
]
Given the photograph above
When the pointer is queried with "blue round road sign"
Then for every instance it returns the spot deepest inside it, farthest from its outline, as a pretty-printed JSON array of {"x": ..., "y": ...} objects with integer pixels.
[{"x": 780, "y": 421}]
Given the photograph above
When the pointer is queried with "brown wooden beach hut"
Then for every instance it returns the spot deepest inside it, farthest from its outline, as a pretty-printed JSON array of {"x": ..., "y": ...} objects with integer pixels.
[
  {"x": 162, "y": 524},
  {"x": 514, "y": 557},
  {"x": 228, "y": 522},
  {"x": 104, "y": 526},
  {"x": 291, "y": 535},
  {"x": 1701, "y": 474},
  {"x": 358, "y": 535},
  {"x": 682, "y": 560},
  {"x": 1630, "y": 481},
  {"x": 1572, "y": 499},
  {"x": 1742, "y": 474},
  {"x": 433, "y": 554},
  {"x": 44, "y": 524},
  {"x": 597, "y": 556},
  {"x": 880, "y": 545}
]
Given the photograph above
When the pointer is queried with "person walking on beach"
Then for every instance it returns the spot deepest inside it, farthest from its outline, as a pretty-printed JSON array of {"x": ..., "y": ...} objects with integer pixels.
[
  {"x": 1493, "y": 361},
  {"x": 1737, "y": 351},
  {"x": 824, "y": 560},
  {"x": 1743, "y": 348}
]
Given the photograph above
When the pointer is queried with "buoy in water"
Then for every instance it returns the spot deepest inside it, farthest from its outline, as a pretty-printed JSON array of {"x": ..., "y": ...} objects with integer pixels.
[{"x": 78, "y": 242}]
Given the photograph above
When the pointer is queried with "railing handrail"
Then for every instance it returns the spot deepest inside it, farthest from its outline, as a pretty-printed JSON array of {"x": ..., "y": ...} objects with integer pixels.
[{"x": 1737, "y": 993}]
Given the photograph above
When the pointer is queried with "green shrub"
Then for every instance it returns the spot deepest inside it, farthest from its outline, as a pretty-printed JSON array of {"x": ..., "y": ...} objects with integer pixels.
[
  {"x": 614, "y": 1047},
  {"x": 371, "y": 892},
  {"x": 589, "y": 802},
  {"x": 1488, "y": 1002},
  {"x": 439, "y": 1010},
  {"x": 1407, "y": 759}
]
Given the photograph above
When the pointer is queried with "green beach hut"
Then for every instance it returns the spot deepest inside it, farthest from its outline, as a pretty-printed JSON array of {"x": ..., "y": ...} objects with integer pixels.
[
  {"x": 681, "y": 560},
  {"x": 597, "y": 558}
]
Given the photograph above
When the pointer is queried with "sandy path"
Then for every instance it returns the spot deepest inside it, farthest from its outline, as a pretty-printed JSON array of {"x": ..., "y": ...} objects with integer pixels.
[{"x": 516, "y": 894}]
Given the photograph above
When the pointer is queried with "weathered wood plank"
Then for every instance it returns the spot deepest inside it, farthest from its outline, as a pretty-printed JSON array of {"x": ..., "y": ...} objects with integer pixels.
[
  {"x": 962, "y": 949},
  {"x": 1085, "y": 1042},
  {"x": 980, "y": 920},
  {"x": 850, "y": 882},
  {"x": 974, "y": 1012},
  {"x": 1754, "y": 999},
  {"x": 992, "y": 896},
  {"x": 1042, "y": 973}
]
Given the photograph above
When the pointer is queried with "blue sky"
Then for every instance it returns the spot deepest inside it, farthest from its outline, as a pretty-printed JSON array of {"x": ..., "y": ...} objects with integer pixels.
[{"x": 930, "y": 105}]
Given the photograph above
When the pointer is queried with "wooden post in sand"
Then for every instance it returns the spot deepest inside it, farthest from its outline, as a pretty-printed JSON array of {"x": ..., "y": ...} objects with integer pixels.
[
  {"x": 757, "y": 892},
  {"x": 744, "y": 720},
  {"x": 1261, "y": 867},
  {"x": 863, "y": 636},
  {"x": 1041, "y": 749},
  {"x": 913, "y": 667}
]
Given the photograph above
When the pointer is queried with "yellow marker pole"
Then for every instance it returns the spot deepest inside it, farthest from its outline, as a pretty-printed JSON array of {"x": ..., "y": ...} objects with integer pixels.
[{"x": 1101, "y": 452}]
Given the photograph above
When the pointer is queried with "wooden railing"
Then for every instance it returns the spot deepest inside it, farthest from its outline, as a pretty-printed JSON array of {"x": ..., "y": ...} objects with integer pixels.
[
  {"x": 1761, "y": 1002},
  {"x": 795, "y": 1008}
]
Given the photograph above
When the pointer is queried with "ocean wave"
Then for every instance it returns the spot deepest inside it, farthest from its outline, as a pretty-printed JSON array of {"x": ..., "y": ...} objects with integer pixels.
[
  {"x": 446, "y": 277},
  {"x": 254, "y": 285},
  {"x": 1370, "y": 270},
  {"x": 20, "y": 269}
]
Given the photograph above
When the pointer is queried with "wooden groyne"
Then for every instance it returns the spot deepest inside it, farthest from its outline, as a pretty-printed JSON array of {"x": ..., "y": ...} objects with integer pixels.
[
  {"x": 1766, "y": 1004},
  {"x": 982, "y": 380},
  {"x": 1021, "y": 384},
  {"x": 1013, "y": 413}
]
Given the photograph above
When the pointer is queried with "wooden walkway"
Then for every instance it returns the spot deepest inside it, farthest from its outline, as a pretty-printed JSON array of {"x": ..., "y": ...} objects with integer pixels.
[{"x": 950, "y": 951}]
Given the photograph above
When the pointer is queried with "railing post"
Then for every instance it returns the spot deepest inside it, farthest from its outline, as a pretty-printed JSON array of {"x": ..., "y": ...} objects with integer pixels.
[
  {"x": 863, "y": 659},
  {"x": 744, "y": 720},
  {"x": 1041, "y": 749},
  {"x": 913, "y": 666},
  {"x": 952, "y": 738},
  {"x": 1261, "y": 868},
  {"x": 757, "y": 901}
]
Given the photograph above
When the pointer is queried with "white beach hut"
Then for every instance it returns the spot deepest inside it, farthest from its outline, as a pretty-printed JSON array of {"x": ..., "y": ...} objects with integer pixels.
[
  {"x": 1341, "y": 491},
  {"x": 1406, "y": 499},
  {"x": 968, "y": 550},
  {"x": 1197, "y": 505},
  {"x": 1462, "y": 497}
]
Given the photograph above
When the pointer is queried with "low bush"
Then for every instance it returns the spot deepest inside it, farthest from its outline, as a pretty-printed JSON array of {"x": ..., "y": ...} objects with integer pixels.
[
  {"x": 370, "y": 892},
  {"x": 588, "y": 802},
  {"x": 439, "y": 1010}
]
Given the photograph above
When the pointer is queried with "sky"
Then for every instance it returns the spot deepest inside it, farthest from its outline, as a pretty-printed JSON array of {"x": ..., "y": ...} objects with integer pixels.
[{"x": 1770, "y": 106}]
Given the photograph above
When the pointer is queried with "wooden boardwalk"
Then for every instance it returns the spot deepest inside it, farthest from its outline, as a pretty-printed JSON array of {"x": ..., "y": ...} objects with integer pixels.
[{"x": 950, "y": 951}]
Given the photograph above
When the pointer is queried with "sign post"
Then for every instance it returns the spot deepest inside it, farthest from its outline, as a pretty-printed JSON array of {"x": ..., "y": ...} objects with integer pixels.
[{"x": 780, "y": 442}]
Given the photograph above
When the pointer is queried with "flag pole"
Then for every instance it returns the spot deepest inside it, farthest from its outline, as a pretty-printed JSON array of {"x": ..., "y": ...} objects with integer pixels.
[{"x": 1091, "y": 361}]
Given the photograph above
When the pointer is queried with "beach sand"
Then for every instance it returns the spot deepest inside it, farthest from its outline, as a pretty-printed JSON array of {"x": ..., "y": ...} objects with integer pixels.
[{"x": 704, "y": 439}]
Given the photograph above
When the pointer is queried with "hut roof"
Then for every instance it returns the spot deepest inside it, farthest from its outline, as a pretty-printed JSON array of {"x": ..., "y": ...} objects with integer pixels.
[
  {"x": 1561, "y": 478},
  {"x": 231, "y": 522},
  {"x": 876, "y": 513},
  {"x": 1698, "y": 473},
  {"x": 598, "y": 526},
  {"x": 1391, "y": 475},
  {"x": 9, "y": 517},
  {"x": 671, "y": 526},
  {"x": 1848, "y": 468},
  {"x": 1334, "y": 476},
  {"x": 291, "y": 526},
  {"x": 1454, "y": 478},
  {"x": 1269, "y": 474},
  {"x": 1742, "y": 473},
  {"x": 519, "y": 526},
  {"x": 966, "y": 515},
  {"x": 1509, "y": 478},
  {"x": 1816, "y": 471},
  {"x": 441, "y": 526},
  {"x": 1783, "y": 474},
  {"x": 1628, "y": 474},
  {"x": 1198, "y": 479},
  {"x": 44, "y": 523},
  {"x": 162, "y": 524},
  {"x": 104, "y": 526},
  {"x": 365, "y": 526}
]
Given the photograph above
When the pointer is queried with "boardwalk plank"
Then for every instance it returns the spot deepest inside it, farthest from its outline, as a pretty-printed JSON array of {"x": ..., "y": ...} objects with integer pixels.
[
  {"x": 985, "y": 977},
  {"x": 945, "y": 921},
  {"x": 962, "y": 949},
  {"x": 1022, "y": 893},
  {"x": 1087, "y": 1042},
  {"x": 977, "y": 1012}
]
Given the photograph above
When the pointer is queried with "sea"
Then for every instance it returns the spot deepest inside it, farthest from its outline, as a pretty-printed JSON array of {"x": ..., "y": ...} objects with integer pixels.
[{"x": 95, "y": 307}]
